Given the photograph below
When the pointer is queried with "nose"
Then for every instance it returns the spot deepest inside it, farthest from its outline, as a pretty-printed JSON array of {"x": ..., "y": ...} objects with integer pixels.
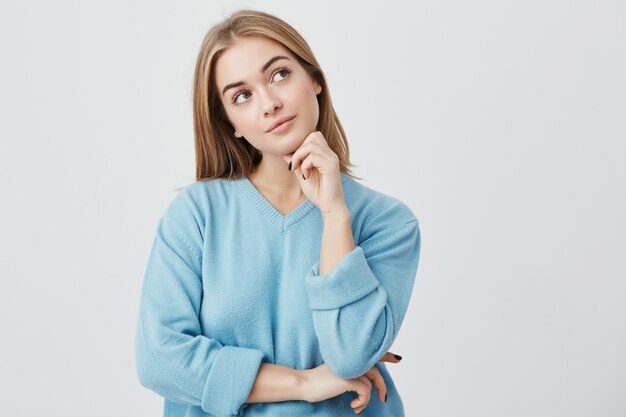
[{"x": 271, "y": 103}]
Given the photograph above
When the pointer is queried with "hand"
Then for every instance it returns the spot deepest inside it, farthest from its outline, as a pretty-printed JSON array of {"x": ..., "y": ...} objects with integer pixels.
[
  {"x": 361, "y": 402},
  {"x": 320, "y": 166},
  {"x": 321, "y": 383}
]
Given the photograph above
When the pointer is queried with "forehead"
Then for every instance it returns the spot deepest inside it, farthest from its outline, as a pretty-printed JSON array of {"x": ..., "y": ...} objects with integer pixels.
[{"x": 244, "y": 59}]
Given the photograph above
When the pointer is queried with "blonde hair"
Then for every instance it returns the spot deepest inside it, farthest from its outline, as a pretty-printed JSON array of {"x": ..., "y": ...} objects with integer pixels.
[{"x": 219, "y": 154}]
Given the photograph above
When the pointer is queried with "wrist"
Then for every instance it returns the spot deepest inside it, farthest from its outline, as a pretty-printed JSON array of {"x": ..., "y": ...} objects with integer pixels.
[
  {"x": 339, "y": 214},
  {"x": 301, "y": 384}
]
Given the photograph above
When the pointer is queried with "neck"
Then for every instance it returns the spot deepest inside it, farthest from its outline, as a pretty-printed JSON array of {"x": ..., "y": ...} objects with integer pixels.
[{"x": 272, "y": 175}]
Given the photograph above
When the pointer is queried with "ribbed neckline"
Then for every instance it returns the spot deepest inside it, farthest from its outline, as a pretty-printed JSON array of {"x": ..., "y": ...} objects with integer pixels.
[{"x": 283, "y": 222}]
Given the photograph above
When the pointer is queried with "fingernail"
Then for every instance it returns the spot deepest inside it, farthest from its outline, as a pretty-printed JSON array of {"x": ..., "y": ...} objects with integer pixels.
[
  {"x": 385, "y": 397},
  {"x": 397, "y": 357},
  {"x": 289, "y": 167}
]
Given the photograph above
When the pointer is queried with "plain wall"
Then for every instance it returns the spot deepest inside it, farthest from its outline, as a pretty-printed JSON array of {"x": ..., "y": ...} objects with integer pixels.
[{"x": 501, "y": 124}]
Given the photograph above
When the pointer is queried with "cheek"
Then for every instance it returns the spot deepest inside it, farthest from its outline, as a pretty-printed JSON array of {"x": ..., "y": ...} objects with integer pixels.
[
  {"x": 303, "y": 93},
  {"x": 239, "y": 119},
  {"x": 306, "y": 100},
  {"x": 308, "y": 105}
]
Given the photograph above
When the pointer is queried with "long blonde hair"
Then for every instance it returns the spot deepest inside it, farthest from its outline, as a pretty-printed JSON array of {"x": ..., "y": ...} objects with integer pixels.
[{"x": 219, "y": 154}]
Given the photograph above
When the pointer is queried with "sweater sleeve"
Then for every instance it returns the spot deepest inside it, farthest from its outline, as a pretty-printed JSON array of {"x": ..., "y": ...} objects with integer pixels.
[
  {"x": 173, "y": 357},
  {"x": 358, "y": 307}
]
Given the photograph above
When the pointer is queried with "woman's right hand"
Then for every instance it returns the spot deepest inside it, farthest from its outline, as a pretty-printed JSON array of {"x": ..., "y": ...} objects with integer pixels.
[{"x": 321, "y": 383}]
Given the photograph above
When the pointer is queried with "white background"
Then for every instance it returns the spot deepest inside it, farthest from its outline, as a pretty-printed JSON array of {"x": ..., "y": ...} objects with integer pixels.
[{"x": 501, "y": 124}]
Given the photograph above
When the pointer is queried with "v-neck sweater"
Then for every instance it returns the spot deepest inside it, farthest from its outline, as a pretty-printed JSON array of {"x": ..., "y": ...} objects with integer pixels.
[
  {"x": 280, "y": 220},
  {"x": 231, "y": 282}
]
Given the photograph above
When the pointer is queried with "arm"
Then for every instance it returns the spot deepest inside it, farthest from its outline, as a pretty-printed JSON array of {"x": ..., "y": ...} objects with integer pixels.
[
  {"x": 276, "y": 383},
  {"x": 173, "y": 357},
  {"x": 359, "y": 303},
  {"x": 337, "y": 240}
]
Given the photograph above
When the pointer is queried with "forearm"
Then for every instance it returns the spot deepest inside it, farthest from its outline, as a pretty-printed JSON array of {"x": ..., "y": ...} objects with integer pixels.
[
  {"x": 275, "y": 383},
  {"x": 337, "y": 240}
]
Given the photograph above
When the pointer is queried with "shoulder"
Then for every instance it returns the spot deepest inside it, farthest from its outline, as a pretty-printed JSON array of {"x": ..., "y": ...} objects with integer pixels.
[
  {"x": 374, "y": 212},
  {"x": 191, "y": 206},
  {"x": 202, "y": 196},
  {"x": 372, "y": 204}
]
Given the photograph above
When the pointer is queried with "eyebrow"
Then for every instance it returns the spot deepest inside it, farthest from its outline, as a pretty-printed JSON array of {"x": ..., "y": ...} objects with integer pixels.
[{"x": 262, "y": 70}]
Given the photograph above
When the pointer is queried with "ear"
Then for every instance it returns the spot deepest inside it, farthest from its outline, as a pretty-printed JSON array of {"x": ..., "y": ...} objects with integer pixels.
[
  {"x": 317, "y": 87},
  {"x": 235, "y": 132}
]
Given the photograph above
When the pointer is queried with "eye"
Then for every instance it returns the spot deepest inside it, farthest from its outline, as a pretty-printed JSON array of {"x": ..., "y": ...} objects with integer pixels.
[
  {"x": 285, "y": 70},
  {"x": 286, "y": 73},
  {"x": 239, "y": 95}
]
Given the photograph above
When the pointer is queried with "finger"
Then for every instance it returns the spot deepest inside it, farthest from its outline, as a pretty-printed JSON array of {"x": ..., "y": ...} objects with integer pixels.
[
  {"x": 302, "y": 152},
  {"x": 365, "y": 394},
  {"x": 311, "y": 162},
  {"x": 299, "y": 154},
  {"x": 363, "y": 387},
  {"x": 287, "y": 157},
  {"x": 321, "y": 143},
  {"x": 317, "y": 137},
  {"x": 390, "y": 357},
  {"x": 374, "y": 375}
]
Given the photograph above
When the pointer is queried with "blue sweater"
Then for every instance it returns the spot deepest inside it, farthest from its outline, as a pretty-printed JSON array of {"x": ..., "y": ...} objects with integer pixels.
[{"x": 230, "y": 283}]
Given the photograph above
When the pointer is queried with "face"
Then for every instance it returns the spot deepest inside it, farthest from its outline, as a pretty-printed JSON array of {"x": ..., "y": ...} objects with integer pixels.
[{"x": 266, "y": 94}]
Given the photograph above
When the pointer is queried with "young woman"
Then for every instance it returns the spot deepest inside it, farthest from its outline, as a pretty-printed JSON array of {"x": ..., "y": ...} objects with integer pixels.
[{"x": 276, "y": 282}]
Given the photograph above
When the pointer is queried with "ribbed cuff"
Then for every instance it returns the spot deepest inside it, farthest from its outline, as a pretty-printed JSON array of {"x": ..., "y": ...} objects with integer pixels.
[
  {"x": 230, "y": 380},
  {"x": 351, "y": 280}
]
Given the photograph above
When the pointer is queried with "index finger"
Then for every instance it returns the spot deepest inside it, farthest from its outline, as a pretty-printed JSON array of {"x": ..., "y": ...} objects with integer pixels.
[{"x": 390, "y": 357}]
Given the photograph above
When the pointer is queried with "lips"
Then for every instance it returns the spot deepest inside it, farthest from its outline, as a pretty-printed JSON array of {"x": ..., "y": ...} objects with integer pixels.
[{"x": 279, "y": 122}]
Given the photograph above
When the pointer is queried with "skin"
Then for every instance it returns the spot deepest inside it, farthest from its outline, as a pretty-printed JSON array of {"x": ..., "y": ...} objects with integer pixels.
[
  {"x": 314, "y": 175},
  {"x": 265, "y": 98},
  {"x": 320, "y": 383}
]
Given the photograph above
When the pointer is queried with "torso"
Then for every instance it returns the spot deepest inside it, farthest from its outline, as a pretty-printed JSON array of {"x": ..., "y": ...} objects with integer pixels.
[
  {"x": 284, "y": 207},
  {"x": 281, "y": 203}
]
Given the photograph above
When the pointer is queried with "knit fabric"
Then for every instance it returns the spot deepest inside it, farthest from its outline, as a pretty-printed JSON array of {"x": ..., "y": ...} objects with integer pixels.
[{"x": 231, "y": 283}]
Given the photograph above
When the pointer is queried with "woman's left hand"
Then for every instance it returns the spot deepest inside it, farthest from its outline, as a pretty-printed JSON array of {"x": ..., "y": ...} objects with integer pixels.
[{"x": 320, "y": 166}]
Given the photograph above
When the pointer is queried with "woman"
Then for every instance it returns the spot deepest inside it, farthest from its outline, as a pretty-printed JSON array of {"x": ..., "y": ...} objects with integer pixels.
[{"x": 276, "y": 282}]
